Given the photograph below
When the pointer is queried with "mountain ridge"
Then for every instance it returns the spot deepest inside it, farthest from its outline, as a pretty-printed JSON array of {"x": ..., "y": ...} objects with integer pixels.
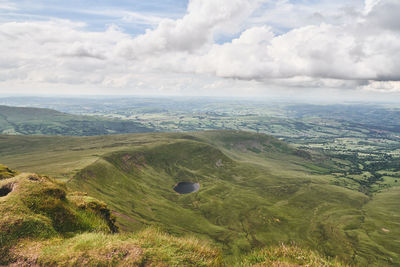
[{"x": 43, "y": 121}]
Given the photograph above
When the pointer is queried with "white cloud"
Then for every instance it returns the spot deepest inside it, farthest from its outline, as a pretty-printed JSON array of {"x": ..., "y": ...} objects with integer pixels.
[
  {"x": 369, "y": 5},
  {"x": 384, "y": 14},
  {"x": 359, "y": 49},
  {"x": 347, "y": 52},
  {"x": 245, "y": 57},
  {"x": 380, "y": 86},
  {"x": 138, "y": 18},
  {"x": 284, "y": 15},
  {"x": 54, "y": 51},
  {"x": 193, "y": 31}
]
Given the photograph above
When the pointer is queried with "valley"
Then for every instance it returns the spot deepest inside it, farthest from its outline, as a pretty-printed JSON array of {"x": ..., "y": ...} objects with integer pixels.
[
  {"x": 245, "y": 133},
  {"x": 255, "y": 190}
]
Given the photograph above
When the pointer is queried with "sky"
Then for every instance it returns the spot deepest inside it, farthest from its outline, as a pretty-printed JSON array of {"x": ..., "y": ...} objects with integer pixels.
[{"x": 252, "y": 48}]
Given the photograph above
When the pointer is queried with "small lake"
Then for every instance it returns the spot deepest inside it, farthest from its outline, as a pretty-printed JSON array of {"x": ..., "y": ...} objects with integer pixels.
[{"x": 186, "y": 187}]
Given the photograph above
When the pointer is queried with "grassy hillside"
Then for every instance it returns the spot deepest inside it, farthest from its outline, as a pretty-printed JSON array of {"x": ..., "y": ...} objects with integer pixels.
[
  {"x": 33, "y": 206},
  {"x": 31, "y": 121},
  {"x": 255, "y": 191},
  {"x": 44, "y": 224}
]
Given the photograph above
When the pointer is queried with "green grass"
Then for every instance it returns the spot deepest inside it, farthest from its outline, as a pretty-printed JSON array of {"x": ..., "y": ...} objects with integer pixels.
[
  {"x": 382, "y": 224},
  {"x": 288, "y": 255},
  {"x": 38, "y": 207},
  {"x": 57, "y": 227},
  {"x": 262, "y": 192},
  {"x": 37, "y": 121},
  {"x": 6, "y": 172},
  {"x": 43, "y": 223},
  {"x": 149, "y": 247}
]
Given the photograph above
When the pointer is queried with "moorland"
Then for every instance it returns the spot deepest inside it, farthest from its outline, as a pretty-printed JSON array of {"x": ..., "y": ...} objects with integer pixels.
[{"x": 326, "y": 184}]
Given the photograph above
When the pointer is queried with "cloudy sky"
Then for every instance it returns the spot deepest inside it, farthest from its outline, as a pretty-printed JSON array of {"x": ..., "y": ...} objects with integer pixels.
[{"x": 200, "y": 47}]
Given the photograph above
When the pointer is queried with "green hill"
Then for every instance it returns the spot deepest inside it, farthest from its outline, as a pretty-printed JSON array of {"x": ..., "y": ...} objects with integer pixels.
[
  {"x": 45, "y": 224},
  {"x": 40, "y": 121},
  {"x": 256, "y": 192}
]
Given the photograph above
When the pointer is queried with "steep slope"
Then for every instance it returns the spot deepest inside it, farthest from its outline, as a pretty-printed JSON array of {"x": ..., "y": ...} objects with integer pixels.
[
  {"x": 33, "y": 206},
  {"x": 242, "y": 204},
  {"x": 44, "y": 224},
  {"x": 30, "y": 121}
]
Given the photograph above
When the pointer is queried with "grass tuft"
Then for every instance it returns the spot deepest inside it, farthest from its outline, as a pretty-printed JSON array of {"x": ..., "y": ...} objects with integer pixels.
[
  {"x": 6, "y": 172},
  {"x": 288, "y": 255},
  {"x": 149, "y": 247},
  {"x": 38, "y": 207}
]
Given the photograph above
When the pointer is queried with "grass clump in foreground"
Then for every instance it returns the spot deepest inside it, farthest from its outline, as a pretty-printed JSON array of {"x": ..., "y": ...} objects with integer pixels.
[
  {"x": 38, "y": 207},
  {"x": 42, "y": 223},
  {"x": 6, "y": 172},
  {"x": 149, "y": 247},
  {"x": 288, "y": 256}
]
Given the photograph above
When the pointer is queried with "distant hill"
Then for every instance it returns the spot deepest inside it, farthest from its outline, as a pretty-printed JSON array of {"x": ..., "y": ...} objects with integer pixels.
[{"x": 40, "y": 121}]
